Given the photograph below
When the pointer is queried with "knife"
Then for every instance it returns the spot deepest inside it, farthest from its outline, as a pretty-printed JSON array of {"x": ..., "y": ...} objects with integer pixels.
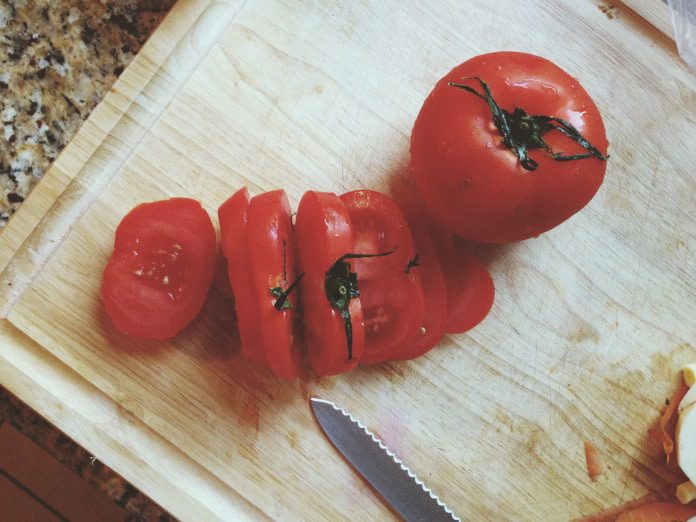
[{"x": 388, "y": 475}]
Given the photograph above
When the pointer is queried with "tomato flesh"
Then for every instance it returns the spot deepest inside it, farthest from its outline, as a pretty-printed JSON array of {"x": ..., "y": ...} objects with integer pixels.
[
  {"x": 472, "y": 182},
  {"x": 434, "y": 295},
  {"x": 470, "y": 288},
  {"x": 271, "y": 245},
  {"x": 391, "y": 296},
  {"x": 159, "y": 274},
  {"x": 324, "y": 234},
  {"x": 233, "y": 216}
]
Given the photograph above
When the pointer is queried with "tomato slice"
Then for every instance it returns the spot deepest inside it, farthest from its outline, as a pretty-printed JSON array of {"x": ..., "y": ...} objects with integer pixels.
[
  {"x": 470, "y": 288},
  {"x": 324, "y": 235},
  {"x": 159, "y": 274},
  {"x": 233, "y": 216},
  {"x": 391, "y": 292},
  {"x": 271, "y": 246},
  {"x": 434, "y": 295},
  {"x": 424, "y": 231}
]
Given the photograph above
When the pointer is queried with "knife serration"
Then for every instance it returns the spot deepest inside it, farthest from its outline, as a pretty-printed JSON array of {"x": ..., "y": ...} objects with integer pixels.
[{"x": 399, "y": 486}]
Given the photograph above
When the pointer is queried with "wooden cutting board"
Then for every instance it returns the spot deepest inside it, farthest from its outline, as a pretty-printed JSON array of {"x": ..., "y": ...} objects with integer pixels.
[{"x": 591, "y": 322}]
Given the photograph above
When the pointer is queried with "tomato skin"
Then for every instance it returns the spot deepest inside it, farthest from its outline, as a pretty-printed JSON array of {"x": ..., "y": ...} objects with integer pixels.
[
  {"x": 434, "y": 294},
  {"x": 159, "y": 274},
  {"x": 324, "y": 234},
  {"x": 472, "y": 182},
  {"x": 470, "y": 288},
  {"x": 233, "y": 216},
  {"x": 426, "y": 236},
  {"x": 271, "y": 246},
  {"x": 391, "y": 297}
]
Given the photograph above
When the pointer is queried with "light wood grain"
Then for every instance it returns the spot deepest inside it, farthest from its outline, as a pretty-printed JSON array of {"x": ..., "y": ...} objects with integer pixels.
[
  {"x": 591, "y": 321},
  {"x": 106, "y": 429}
]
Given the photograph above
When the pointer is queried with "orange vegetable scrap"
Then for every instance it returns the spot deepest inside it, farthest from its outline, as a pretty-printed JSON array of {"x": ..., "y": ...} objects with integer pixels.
[
  {"x": 668, "y": 418},
  {"x": 592, "y": 460}
]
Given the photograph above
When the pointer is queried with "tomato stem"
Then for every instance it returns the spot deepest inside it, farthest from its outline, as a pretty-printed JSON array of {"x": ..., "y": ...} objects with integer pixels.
[
  {"x": 522, "y": 132},
  {"x": 341, "y": 285},
  {"x": 282, "y": 301}
]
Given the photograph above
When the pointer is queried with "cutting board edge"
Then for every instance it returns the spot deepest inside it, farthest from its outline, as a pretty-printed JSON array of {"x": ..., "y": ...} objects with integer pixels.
[
  {"x": 41, "y": 224},
  {"x": 41, "y": 381},
  {"x": 655, "y": 12}
]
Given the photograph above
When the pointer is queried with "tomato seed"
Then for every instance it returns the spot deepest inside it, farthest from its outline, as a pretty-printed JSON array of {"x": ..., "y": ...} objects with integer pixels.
[
  {"x": 165, "y": 280},
  {"x": 138, "y": 272},
  {"x": 176, "y": 246}
]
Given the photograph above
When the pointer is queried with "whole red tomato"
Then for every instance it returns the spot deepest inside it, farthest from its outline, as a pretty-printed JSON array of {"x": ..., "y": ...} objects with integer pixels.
[{"x": 507, "y": 146}]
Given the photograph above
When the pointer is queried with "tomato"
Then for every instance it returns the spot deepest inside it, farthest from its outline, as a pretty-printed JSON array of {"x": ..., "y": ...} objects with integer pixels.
[
  {"x": 333, "y": 327},
  {"x": 271, "y": 246},
  {"x": 390, "y": 289},
  {"x": 233, "y": 216},
  {"x": 470, "y": 288},
  {"x": 159, "y": 274},
  {"x": 425, "y": 235},
  {"x": 469, "y": 173}
]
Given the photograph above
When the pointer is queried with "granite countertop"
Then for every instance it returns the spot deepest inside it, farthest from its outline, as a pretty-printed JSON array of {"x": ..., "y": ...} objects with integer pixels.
[{"x": 57, "y": 61}]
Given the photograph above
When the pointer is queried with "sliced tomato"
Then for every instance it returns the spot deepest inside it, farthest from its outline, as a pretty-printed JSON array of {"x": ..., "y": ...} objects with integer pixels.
[
  {"x": 424, "y": 231},
  {"x": 233, "y": 216},
  {"x": 390, "y": 289},
  {"x": 470, "y": 288},
  {"x": 324, "y": 235},
  {"x": 434, "y": 295},
  {"x": 161, "y": 268},
  {"x": 271, "y": 246}
]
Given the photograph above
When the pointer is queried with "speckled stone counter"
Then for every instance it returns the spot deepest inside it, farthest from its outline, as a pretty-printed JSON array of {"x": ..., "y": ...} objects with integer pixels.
[{"x": 57, "y": 60}]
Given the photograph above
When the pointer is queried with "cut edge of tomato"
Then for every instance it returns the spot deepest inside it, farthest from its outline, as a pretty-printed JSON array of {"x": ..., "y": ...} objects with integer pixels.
[
  {"x": 233, "y": 231},
  {"x": 324, "y": 332},
  {"x": 282, "y": 354}
]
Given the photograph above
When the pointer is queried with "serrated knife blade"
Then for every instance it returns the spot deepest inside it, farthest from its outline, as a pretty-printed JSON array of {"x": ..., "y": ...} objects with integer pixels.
[{"x": 388, "y": 475}]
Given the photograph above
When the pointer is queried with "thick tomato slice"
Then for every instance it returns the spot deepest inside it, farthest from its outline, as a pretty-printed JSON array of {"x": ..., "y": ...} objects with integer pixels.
[
  {"x": 434, "y": 294},
  {"x": 424, "y": 234},
  {"x": 160, "y": 271},
  {"x": 390, "y": 290},
  {"x": 470, "y": 288},
  {"x": 233, "y": 216},
  {"x": 473, "y": 181},
  {"x": 271, "y": 247},
  {"x": 324, "y": 235}
]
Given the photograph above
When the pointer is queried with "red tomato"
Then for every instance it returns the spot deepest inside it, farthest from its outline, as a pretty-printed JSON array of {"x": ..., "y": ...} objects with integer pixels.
[
  {"x": 426, "y": 237},
  {"x": 159, "y": 274},
  {"x": 470, "y": 289},
  {"x": 469, "y": 173},
  {"x": 390, "y": 290},
  {"x": 271, "y": 246},
  {"x": 324, "y": 235},
  {"x": 233, "y": 216}
]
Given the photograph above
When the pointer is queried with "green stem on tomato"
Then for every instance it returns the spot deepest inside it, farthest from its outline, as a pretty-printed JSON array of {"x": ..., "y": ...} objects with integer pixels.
[
  {"x": 282, "y": 301},
  {"x": 522, "y": 132},
  {"x": 341, "y": 285}
]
